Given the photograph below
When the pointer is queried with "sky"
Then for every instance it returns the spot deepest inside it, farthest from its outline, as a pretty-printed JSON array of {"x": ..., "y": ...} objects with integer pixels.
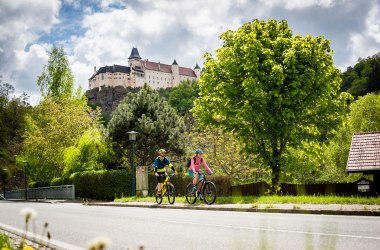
[{"x": 103, "y": 32}]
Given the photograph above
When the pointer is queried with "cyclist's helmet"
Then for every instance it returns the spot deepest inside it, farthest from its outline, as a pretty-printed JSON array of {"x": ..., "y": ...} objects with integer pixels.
[
  {"x": 161, "y": 151},
  {"x": 198, "y": 151}
]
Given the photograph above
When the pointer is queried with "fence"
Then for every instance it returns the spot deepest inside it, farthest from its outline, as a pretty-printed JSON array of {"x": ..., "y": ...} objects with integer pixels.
[{"x": 54, "y": 192}]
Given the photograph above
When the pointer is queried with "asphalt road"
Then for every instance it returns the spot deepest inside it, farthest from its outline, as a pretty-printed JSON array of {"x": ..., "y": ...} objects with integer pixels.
[{"x": 154, "y": 228}]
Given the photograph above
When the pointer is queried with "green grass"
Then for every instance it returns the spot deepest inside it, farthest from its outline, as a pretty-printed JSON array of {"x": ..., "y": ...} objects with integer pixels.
[
  {"x": 149, "y": 199},
  {"x": 330, "y": 199}
]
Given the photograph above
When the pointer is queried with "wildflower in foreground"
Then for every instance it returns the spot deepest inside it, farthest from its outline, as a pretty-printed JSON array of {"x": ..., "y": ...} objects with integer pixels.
[
  {"x": 28, "y": 213},
  {"x": 99, "y": 243},
  {"x": 27, "y": 248}
]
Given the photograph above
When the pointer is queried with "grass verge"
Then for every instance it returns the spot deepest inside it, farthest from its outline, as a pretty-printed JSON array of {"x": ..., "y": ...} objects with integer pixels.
[{"x": 330, "y": 199}]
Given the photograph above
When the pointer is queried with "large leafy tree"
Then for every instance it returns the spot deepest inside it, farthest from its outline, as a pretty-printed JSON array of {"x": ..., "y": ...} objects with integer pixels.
[
  {"x": 158, "y": 124},
  {"x": 272, "y": 89},
  {"x": 57, "y": 122},
  {"x": 56, "y": 79}
]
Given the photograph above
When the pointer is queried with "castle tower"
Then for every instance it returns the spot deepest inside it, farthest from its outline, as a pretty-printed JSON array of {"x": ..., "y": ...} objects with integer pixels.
[
  {"x": 134, "y": 61},
  {"x": 134, "y": 58},
  {"x": 175, "y": 73},
  {"x": 197, "y": 71}
]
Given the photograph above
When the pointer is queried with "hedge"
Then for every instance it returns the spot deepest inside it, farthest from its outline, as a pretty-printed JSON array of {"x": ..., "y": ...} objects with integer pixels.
[
  {"x": 99, "y": 185},
  {"x": 111, "y": 184}
]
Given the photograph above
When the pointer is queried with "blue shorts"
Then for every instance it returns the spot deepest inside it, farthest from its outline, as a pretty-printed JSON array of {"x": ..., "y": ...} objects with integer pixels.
[{"x": 191, "y": 173}]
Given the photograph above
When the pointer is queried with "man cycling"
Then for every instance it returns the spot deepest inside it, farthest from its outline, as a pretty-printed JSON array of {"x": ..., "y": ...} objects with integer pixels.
[
  {"x": 195, "y": 165},
  {"x": 159, "y": 169}
]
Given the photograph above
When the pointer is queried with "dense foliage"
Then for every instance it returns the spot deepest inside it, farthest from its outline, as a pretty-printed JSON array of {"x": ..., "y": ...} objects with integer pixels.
[
  {"x": 363, "y": 78},
  {"x": 12, "y": 124},
  {"x": 272, "y": 89},
  {"x": 92, "y": 152},
  {"x": 52, "y": 127},
  {"x": 183, "y": 96},
  {"x": 364, "y": 116}
]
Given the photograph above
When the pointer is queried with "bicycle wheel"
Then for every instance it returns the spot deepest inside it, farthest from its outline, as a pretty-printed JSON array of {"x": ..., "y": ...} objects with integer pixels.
[
  {"x": 191, "y": 196},
  {"x": 158, "y": 198},
  {"x": 209, "y": 192},
  {"x": 170, "y": 191}
]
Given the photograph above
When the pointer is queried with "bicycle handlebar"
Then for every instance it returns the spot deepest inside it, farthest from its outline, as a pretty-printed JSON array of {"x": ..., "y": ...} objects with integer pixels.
[{"x": 204, "y": 173}]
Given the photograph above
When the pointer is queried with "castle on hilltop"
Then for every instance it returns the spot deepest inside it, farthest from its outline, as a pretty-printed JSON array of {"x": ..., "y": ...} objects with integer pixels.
[{"x": 155, "y": 74}]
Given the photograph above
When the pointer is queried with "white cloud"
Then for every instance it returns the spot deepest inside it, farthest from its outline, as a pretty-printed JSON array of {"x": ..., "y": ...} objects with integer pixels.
[
  {"x": 298, "y": 4},
  {"x": 29, "y": 65},
  {"x": 373, "y": 23},
  {"x": 22, "y": 22},
  {"x": 367, "y": 42}
]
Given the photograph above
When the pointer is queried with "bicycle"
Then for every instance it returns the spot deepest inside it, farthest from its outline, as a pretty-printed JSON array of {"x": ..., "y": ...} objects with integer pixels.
[
  {"x": 208, "y": 191},
  {"x": 168, "y": 189}
]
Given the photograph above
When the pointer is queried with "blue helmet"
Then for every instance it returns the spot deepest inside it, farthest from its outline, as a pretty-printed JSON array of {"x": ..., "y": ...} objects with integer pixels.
[{"x": 198, "y": 151}]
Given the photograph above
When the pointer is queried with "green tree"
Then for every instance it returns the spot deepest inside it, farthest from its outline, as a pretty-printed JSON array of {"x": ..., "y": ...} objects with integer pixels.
[
  {"x": 158, "y": 124},
  {"x": 52, "y": 127},
  {"x": 56, "y": 79},
  {"x": 272, "y": 89},
  {"x": 365, "y": 113},
  {"x": 90, "y": 153},
  {"x": 223, "y": 154}
]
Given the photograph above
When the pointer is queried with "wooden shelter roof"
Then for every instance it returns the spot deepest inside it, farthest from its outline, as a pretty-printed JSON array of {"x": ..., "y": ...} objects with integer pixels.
[{"x": 364, "y": 152}]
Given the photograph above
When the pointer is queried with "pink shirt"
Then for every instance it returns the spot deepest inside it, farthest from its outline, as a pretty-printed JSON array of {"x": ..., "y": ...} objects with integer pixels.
[{"x": 198, "y": 162}]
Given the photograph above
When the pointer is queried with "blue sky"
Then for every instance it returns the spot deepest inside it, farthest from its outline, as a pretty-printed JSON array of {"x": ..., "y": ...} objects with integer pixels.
[{"x": 103, "y": 32}]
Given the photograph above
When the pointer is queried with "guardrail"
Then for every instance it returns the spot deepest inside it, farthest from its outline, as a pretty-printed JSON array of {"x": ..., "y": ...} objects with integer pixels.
[{"x": 66, "y": 192}]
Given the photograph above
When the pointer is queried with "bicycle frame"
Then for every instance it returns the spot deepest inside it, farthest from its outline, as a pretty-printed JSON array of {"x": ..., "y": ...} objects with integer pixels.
[
  {"x": 202, "y": 180},
  {"x": 164, "y": 185}
]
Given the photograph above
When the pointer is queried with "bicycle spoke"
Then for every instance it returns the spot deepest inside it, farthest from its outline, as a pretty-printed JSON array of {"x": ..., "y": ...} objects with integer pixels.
[
  {"x": 209, "y": 192},
  {"x": 170, "y": 190},
  {"x": 158, "y": 198},
  {"x": 191, "y": 196}
]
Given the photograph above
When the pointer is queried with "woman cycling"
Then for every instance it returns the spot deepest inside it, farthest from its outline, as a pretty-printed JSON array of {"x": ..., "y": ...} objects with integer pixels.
[{"x": 195, "y": 165}]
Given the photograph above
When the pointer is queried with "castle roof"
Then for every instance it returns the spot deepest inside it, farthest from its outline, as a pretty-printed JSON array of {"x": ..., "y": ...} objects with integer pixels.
[
  {"x": 111, "y": 69},
  {"x": 187, "y": 72},
  {"x": 134, "y": 54},
  {"x": 167, "y": 68},
  {"x": 157, "y": 66}
]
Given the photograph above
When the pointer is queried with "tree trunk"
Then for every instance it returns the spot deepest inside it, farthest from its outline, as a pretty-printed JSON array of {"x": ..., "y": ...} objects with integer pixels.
[{"x": 275, "y": 188}]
